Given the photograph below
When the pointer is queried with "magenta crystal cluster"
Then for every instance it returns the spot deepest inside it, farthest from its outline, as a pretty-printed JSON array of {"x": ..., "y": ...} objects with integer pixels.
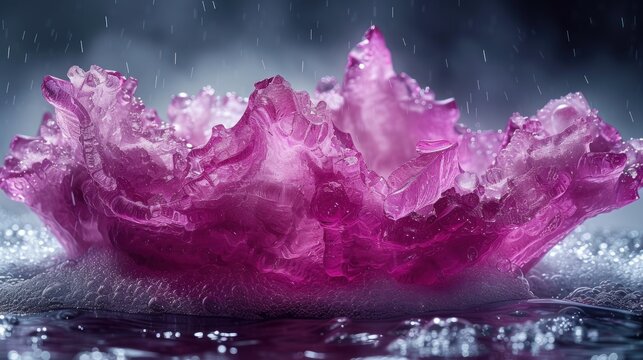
[{"x": 373, "y": 175}]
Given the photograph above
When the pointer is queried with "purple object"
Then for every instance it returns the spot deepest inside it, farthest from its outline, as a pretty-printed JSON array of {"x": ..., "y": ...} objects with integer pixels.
[{"x": 370, "y": 176}]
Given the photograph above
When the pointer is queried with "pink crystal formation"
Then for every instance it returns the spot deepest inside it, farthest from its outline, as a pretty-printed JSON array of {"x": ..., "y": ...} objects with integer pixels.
[{"x": 373, "y": 175}]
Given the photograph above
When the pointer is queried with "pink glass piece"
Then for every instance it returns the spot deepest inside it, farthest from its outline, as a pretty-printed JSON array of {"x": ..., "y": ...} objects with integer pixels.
[{"x": 370, "y": 177}]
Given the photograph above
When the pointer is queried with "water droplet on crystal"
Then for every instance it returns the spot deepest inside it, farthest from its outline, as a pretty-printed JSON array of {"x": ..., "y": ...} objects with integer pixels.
[
  {"x": 466, "y": 182},
  {"x": 472, "y": 253}
]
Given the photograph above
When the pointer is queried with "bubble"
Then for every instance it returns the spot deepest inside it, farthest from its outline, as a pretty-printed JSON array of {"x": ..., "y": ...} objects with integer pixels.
[
  {"x": 52, "y": 290},
  {"x": 472, "y": 253},
  {"x": 210, "y": 305},
  {"x": 572, "y": 311},
  {"x": 67, "y": 314}
]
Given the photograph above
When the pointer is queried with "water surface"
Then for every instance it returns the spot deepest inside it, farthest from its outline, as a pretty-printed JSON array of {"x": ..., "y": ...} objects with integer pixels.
[{"x": 533, "y": 328}]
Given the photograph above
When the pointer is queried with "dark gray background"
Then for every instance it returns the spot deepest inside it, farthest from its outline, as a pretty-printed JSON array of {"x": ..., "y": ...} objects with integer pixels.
[{"x": 535, "y": 51}]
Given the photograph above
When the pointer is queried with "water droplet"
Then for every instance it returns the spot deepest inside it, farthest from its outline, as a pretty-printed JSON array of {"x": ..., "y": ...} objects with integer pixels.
[
  {"x": 210, "y": 305},
  {"x": 572, "y": 311},
  {"x": 155, "y": 305},
  {"x": 52, "y": 290},
  {"x": 67, "y": 314},
  {"x": 472, "y": 253}
]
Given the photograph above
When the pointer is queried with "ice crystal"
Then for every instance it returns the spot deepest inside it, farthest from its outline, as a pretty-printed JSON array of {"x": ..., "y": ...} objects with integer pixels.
[{"x": 370, "y": 175}]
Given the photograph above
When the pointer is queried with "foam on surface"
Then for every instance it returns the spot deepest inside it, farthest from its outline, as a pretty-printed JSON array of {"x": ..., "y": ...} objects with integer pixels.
[
  {"x": 599, "y": 267},
  {"x": 97, "y": 281},
  {"x": 582, "y": 268}
]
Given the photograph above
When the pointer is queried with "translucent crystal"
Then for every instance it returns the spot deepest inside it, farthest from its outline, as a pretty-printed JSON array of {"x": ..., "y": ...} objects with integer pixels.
[{"x": 372, "y": 175}]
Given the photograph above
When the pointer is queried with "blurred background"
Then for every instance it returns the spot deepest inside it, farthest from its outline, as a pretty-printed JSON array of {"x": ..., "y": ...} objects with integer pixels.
[{"x": 494, "y": 57}]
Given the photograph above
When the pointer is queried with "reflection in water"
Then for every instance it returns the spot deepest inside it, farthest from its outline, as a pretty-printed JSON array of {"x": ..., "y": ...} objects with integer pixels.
[{"x": 543, "y": 328}]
